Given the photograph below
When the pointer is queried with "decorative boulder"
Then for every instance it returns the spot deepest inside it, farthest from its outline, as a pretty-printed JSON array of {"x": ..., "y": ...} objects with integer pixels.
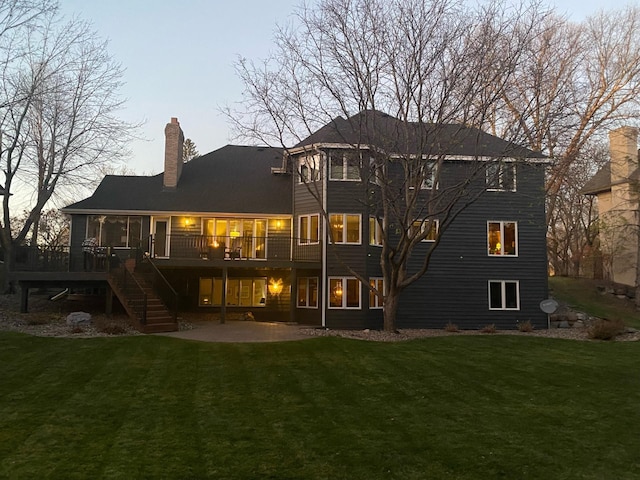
[
  {"x": 248, "y": 317},
  {"x": 78, "y": 318}
]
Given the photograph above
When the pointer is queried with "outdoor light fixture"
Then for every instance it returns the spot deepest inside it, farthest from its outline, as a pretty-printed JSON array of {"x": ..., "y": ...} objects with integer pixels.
[
  {"x": 275, "y": 286},
  {"x": 188, "y": 221}
]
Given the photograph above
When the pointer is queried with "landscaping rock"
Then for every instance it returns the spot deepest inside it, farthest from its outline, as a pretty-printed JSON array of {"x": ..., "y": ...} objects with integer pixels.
[
  {"x": 248, "y": 317},
  {"x": 78, "y": 318},
  {"x": 564, "y": 324}
]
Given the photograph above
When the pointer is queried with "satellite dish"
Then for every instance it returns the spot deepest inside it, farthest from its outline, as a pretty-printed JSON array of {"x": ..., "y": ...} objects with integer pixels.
[{"x": 549, "y": 305}]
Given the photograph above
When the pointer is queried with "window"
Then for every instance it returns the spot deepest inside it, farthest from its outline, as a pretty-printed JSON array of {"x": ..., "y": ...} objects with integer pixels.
[
  {"x": 502, "y": 238},
  {"x": 345, "y": 228},
  {"x": 309, "y": 168},
  {"x": 504, "y": 295},
  {"x": 344, "y": 292},
  {"x": 428, "y": 174},
  {"x": 376, "y": 301},
  {"x": 244, "y": 292},
  {"x": 343, "y": 166},
  {"x": 501, "y": 176},
  {"x": 115, "y": 231},
  {"x": 434, "y": 228},
  {"x": 308, "y": 292},
  {"x": 308, "y": 229},
  {"x": 375, "y": 232}
]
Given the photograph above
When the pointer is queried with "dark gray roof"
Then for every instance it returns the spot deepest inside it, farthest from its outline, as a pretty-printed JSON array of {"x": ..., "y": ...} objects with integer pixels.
[
  {"x": 2, "y": 190},
  {"x": 233, "y": 179},
  {"x": 371, "y": 127},
  {"x": 600, "y": 182}
]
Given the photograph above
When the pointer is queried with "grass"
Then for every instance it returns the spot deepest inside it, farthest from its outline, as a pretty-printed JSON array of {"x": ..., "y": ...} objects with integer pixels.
[
  {"x": 583, "y": 295},
  {"x": 458, "y": 407}
]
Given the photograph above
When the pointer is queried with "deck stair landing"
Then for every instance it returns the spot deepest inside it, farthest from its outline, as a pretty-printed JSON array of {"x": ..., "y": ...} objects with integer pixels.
[{"x": 131, "y": 288}]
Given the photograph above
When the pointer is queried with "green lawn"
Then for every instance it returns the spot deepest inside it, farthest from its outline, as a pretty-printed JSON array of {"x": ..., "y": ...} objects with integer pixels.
[
  {"x": 458, "y": 407},
  {"x": 582, "y": 294}
]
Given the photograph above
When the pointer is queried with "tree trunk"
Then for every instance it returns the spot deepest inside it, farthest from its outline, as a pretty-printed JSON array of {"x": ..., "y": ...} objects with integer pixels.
[{"x": 390, "y": 310}]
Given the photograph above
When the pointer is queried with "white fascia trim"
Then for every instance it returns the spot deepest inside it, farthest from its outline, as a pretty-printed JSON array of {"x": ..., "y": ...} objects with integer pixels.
[{"x": 158, "y": 213}]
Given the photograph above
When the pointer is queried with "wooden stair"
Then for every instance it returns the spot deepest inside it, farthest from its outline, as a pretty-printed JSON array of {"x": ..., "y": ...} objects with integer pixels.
[{"x": 158, "y": 317}]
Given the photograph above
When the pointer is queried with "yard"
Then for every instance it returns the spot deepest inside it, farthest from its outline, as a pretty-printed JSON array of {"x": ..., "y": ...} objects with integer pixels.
[{"x": 457, "y": 407}]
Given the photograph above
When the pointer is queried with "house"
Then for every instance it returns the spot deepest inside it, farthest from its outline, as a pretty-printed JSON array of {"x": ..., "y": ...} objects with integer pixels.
[
  {"x": 616, "y": 187},
  {"x": 241, "y": 230}
]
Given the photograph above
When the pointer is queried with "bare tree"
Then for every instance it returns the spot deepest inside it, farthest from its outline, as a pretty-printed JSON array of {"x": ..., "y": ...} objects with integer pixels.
[
  {"x": 59, "y": 124},
  {"x": 575, "y": 81},
  {"x": 437, "y": 68}
]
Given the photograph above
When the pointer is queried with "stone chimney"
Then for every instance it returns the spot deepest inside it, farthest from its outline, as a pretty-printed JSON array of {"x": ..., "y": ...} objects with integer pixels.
[
  {"x": 174, "y": 139},
  {"x": 623, "y": 147}
]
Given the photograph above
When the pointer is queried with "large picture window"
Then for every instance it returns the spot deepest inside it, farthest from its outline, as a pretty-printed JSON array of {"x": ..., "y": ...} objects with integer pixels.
[
  {"x": 344, "y": 166},
  {"x": 344, "y": 292},
  {"x": 241, "y": 292},
  {"x": 308, "y": 229},
  {"x": 504, "y": 295},
  {"x": 115, "y": 230},
  {"x": 501, "y": 176},
  {"x": 345, "y": 228},
  {"x": 308, "y": 292},
  {"x": 502, "y": 238}
]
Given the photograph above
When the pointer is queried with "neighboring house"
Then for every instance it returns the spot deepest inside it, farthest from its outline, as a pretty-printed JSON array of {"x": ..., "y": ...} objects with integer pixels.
[
  {"x": 237, "y": 230},
  {"x": 616, "y": 187}
]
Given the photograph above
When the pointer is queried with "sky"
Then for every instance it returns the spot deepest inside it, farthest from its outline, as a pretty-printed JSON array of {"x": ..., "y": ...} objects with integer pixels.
[{"x": 179, "y": 57}]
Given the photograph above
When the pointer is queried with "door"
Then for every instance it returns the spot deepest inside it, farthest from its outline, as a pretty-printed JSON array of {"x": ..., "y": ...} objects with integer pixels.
[{"x": 160, "y": 237}]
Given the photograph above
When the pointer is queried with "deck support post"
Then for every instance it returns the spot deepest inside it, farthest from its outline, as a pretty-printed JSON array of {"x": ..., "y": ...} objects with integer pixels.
[
  {"x": 24, "y": 298},
  {"x": 223, "y": 307},
  {"x": 108, "y": 303},
  {"x": 293, "y": 300}
]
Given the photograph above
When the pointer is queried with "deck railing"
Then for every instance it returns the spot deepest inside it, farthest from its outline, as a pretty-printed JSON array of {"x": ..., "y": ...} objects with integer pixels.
[
  {"x": 233, "y": 248},
  {"x": 63, "y": 259}
]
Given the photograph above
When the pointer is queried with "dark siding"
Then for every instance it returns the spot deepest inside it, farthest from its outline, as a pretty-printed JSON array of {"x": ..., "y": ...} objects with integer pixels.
[{"x": 455, "y": 288}]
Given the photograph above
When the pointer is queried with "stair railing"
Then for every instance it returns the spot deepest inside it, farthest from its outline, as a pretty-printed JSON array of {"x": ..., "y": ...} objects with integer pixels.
[
  {"x": 131, "y": 285},
  {"x": 167, "y": 293}
]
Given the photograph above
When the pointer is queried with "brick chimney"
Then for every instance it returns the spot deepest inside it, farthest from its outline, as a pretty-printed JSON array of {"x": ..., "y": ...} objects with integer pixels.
[
  {"x": 174, "y": 139},
  {"x": 623, "y": 148}
]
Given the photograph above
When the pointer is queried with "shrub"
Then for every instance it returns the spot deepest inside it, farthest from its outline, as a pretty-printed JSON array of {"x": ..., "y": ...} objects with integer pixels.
[
  {"x": 451, "y": 328},
  {"x": 491, "y": 328},
  {"x": 603, "y": 329},
  {"x": 525, "y": 326},
  {"x": 113, "y": 329}
]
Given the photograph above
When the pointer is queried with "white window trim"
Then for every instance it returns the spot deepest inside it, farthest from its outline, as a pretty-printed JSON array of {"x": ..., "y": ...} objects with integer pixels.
[
  {"x": 433, "y": 165},
  {"x": 503, "y": 294},
  {"x": 307, "y": 306},
  {"x": 344, "y": 228},
  {"x": 377, "y": 233},
  {"x": 345, "y": 169},
  {"x": 501, "y": 165},
  {"x": 375, "y": 297},
  {"x": 308, "y": 216},
  {"x": 344, "y": 293},
  {"x": 502, "y": 223},
  {"x": 312, "y": 162}
]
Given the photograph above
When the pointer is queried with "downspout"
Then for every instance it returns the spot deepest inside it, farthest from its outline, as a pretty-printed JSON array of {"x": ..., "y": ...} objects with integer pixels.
[{"x": 323, "y": 158}]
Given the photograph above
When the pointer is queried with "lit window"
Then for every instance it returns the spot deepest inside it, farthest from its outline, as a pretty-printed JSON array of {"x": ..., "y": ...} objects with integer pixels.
[
  {"x": 343, "y": 166},
  {"x": 115, "y": 231},
  {"x": 501, "y": 176},
  {"x": 375, "y": 232},
  {"x": 243, "y": 292},
  {"x": 345, "y": 228},
  {"x": 433, "y": 226},
  {"x": 502, "y": 238},
  {"x": 344, "y": 292},
  {"x": 309, "y": 168},
  {"x": 308, "y": 229},
  {"x": 376, "y": 301},
  {"x": 504, "y": 295},
  {"x": 308, "y": 292}
]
